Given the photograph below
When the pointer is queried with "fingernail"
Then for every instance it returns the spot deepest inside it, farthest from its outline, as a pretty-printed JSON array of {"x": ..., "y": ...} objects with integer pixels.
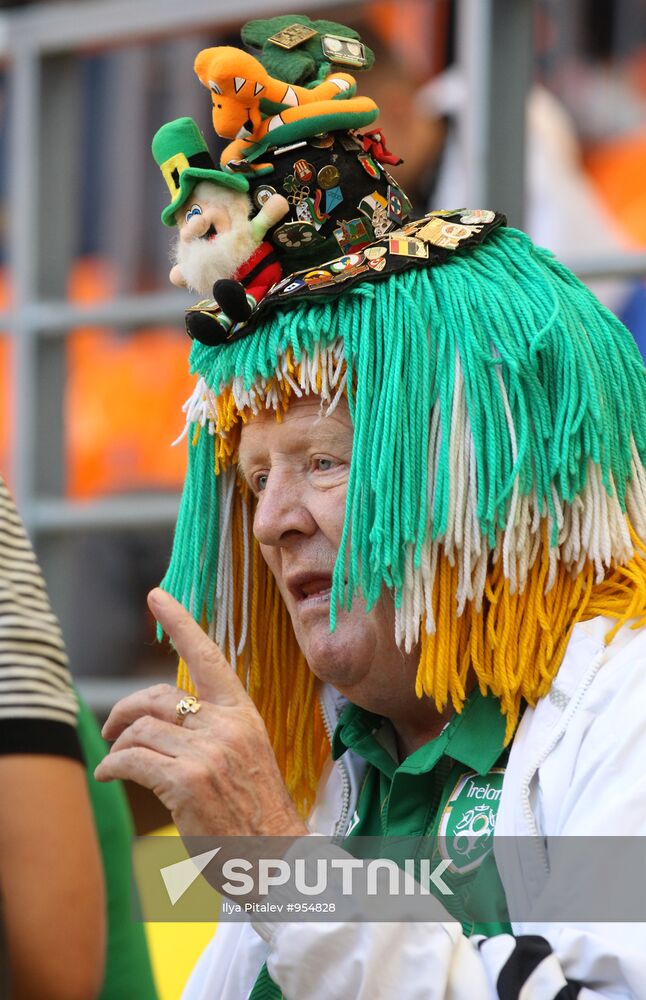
[{"x": 154, "y": 598}]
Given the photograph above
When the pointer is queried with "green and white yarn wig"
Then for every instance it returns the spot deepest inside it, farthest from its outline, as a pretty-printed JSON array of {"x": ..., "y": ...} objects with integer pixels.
[{"x": 497, "y": 486}]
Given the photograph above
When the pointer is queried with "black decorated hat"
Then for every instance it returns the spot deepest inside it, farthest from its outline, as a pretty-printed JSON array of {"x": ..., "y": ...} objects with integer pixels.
[{"x": 349, "y": 219}]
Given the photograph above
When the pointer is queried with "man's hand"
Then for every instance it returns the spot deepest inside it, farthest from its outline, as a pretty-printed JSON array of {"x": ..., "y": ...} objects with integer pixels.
[{"x": 217, "y": 774}]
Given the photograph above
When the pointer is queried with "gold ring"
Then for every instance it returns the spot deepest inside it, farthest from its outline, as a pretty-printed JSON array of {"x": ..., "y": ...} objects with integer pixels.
[{"x": 184, "y": 706}]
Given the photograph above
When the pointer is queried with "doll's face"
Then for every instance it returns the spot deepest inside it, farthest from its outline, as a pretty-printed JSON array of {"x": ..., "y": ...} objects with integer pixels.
[
  {"x": 199, "y": 218},
  {"x": 214, "y": 236}
]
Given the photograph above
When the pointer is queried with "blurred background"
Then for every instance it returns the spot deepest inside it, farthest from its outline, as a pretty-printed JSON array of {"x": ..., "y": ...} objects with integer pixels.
[{"x": 536, "y": 108}]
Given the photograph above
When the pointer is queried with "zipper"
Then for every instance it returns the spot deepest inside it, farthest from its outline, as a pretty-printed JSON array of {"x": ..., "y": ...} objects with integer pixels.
[
  {"x": 345, "y": 774},
  {"x": 567, "y": 715}
]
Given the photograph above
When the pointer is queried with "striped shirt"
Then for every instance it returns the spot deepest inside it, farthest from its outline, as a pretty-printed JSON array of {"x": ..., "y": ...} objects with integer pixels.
[{"x": 38, "y": 706}]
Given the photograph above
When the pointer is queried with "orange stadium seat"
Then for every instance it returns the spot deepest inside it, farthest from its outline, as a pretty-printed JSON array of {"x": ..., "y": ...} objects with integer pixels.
[{"x": 123, "y": 400}]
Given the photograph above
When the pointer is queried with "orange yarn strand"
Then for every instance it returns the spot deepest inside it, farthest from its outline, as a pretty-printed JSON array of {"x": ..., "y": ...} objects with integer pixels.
[{"x": 515, "y": 645}]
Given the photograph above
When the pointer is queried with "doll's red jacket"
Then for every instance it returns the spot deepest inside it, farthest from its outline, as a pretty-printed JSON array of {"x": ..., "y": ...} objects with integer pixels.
[{"x": 260, "y": 271}]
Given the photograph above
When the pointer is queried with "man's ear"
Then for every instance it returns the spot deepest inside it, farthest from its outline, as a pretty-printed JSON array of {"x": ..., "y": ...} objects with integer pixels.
[{"x": 176, "y": 277}]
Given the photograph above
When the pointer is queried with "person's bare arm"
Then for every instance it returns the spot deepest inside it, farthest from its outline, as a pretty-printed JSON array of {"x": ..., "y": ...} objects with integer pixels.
[{"x": 51, "y": 879}]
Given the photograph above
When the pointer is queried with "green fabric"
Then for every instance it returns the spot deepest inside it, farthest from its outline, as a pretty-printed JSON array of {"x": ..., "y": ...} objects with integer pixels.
[
  {"x": 305, "y": 64},
  {"x": 192, "y": 176},
  {"x": 128, "y": 971},
  {"x": 478, "y": 745},
  {"x": 183, "y": 136},
  {"x": 270, "y": 108},
  {"x": 264, "y": 987},
  {"x": 304, "y": 128},
  {"x": 409, "y": 799}
]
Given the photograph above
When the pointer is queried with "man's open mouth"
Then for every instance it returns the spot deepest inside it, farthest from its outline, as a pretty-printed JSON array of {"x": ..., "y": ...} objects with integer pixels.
[
  {"x": 311, "y": 588},
  {"x": 210, "y": 234}
]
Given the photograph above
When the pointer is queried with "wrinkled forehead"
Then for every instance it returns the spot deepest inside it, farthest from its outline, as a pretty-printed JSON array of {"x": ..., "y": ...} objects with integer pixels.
[{"x": 307, "y": 422}]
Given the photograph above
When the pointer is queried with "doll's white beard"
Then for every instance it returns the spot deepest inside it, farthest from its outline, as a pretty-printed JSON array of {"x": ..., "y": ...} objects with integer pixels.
[{"x": 203, "y": 262}]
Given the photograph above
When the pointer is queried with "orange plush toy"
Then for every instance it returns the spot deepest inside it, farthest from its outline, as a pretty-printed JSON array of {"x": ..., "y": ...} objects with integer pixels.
[{"x": 256, "y": 110}]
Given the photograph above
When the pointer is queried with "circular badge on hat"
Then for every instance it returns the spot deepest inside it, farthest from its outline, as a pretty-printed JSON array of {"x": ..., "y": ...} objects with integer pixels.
[
  {"x": 322, "y": 141},
  {"x": 477, "y": 215},
  {"x": 342, "y": 263},
  {"x": 296, "y": 235},
  {"x": 328, "y": 177},
  {"x": 262, "y": 194},
  {"x": 303, "y": 171},
  {"x": 317, "y": 277}
]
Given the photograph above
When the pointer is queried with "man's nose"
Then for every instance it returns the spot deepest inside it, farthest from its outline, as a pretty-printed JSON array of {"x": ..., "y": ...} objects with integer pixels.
[{"x": 282, "y": 513}]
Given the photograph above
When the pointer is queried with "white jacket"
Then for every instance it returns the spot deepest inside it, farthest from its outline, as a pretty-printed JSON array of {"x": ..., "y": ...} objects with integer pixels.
[{"x": 577, "y": 767}]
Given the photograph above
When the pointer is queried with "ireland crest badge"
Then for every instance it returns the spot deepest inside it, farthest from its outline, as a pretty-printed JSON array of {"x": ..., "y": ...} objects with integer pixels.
[{"x": 467, "y": 822}]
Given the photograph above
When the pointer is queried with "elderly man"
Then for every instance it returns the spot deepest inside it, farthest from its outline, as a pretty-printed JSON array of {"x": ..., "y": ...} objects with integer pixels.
[
  {"x": 413, "y": 524},
  {"x": 218, "y": 774}
]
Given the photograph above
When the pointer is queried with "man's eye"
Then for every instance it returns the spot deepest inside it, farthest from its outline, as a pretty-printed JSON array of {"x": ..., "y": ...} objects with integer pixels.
[
  {"x": 323, "y": 464},
  {"x": 193, "y": 210},
  {"x": 259, "y": 482}
]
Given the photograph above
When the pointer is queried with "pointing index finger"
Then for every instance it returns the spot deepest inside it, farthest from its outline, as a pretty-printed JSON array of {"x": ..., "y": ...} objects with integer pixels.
[{"x": 209, "y": 669}]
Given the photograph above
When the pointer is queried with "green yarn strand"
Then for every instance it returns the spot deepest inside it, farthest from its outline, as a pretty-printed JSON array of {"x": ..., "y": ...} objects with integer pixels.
[{"x": 549, "y": 381}]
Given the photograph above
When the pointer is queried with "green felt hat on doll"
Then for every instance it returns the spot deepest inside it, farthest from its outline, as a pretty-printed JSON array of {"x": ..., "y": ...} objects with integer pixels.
[
  {"x": 183, "y": 157},
  {"x": 497, "y": 488}
]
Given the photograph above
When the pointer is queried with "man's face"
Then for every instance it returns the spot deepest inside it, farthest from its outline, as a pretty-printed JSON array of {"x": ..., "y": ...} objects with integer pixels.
[{"x": 298, "y": 469}]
